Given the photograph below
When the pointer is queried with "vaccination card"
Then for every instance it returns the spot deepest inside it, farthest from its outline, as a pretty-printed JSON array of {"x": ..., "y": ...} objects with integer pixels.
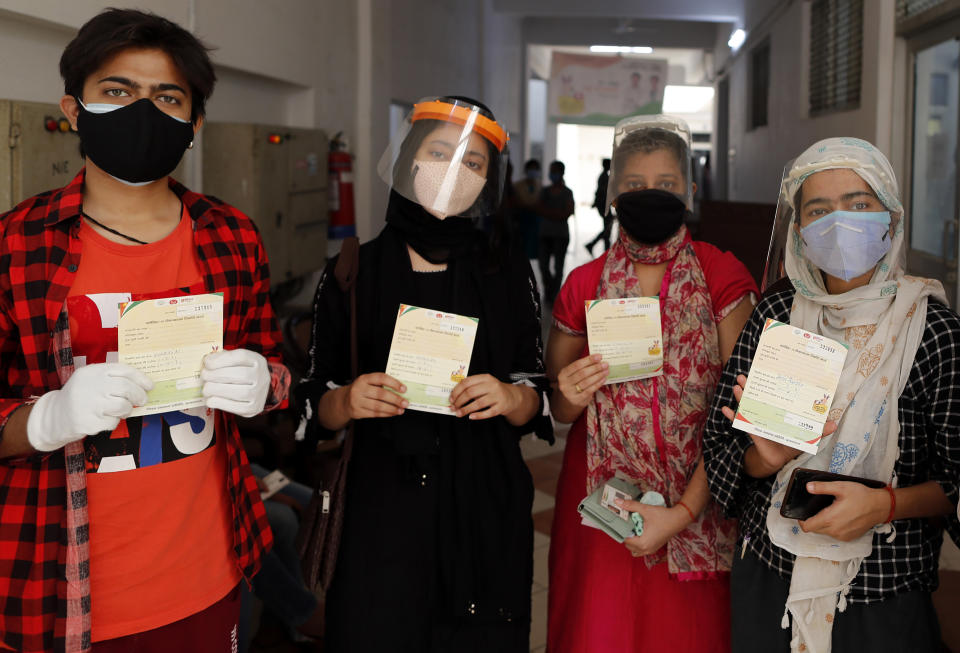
[
  {"x": 627, "y": 333},
  {"x": 791, "y": 386},
  {"x": 430, "y": 354},
  {"x": 166, "y": 339}
]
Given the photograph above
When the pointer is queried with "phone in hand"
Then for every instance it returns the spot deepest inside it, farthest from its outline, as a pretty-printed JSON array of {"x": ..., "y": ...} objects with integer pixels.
[{"x": 800, "y": 504}]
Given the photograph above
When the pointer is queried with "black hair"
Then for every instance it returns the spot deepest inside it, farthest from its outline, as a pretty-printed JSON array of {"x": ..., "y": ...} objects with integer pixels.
[
  {"x": 531, "y": 164},
  {"x": 558, "y": 165},
  {"x": 114, "y": 30},
  {"x": 606, "y": 164},
  {"x": 492, "y": 190}
]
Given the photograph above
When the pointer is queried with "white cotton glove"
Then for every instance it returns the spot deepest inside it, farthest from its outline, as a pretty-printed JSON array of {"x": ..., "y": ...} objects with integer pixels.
[
  {"x": 94, "y": 399},
  {"x": 236, "y": 380}
]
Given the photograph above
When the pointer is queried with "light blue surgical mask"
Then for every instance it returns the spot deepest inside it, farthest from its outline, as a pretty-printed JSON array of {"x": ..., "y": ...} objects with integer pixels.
[{"x": 847, "y": 244}]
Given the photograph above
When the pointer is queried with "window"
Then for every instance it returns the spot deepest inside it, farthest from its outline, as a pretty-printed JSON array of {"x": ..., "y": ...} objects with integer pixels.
[
  {"x": 908, "y": 8},
  {"x": 759, "y": 85},
  {"x": 939, "y": 89},
  {"x": 836, "y": 45}
]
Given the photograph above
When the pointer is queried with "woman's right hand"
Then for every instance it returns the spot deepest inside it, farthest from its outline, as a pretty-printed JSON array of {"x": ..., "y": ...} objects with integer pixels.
[
  {"x": 579, "y": 380},
  {"x": 770, "y": 456},
  {"x": 368, "y": 397}
]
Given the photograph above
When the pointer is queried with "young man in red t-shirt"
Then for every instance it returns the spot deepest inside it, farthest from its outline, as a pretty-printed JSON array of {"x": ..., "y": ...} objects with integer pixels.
[{"x": 123, "y": 533}]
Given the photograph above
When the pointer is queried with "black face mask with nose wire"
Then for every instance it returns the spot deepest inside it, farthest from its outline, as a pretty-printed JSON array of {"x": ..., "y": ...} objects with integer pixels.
[
  {"x": 650, "y": 216},
  {"x": 136, "y": 143}
]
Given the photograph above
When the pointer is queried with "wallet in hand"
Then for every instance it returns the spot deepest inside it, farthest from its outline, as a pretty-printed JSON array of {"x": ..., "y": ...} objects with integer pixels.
[
  {"x": 800, "y": 504},
  {"x": 618, "y": 523}
]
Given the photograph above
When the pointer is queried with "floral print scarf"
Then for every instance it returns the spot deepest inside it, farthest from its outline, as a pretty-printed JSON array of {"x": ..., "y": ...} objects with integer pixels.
[{"x": 650, "y": 431}]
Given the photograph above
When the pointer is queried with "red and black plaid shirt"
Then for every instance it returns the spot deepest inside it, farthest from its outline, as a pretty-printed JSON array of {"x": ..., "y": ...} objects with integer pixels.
[{"x": 44, "y": 552}]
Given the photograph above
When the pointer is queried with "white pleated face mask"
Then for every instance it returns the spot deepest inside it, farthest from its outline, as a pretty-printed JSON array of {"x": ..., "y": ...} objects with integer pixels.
[{"x": 443, "y": 192}]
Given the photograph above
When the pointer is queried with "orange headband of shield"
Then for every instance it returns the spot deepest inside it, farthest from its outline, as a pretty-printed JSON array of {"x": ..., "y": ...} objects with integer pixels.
[{"x": 460, "y": 115}]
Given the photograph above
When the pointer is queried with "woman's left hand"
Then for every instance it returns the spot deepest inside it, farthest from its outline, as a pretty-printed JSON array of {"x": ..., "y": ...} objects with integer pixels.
[
  {"x": 856, "y": 509},
  {"x": 659, "y": 525},
  {"x": 483, "y": 396}
]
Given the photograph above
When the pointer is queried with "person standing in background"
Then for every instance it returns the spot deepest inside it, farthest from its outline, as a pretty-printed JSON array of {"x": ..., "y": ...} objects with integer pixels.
[
  {"x": 600, "y": 204},
  {"x": 555, "y": 207},
  {"x": 526, "y": 218}
]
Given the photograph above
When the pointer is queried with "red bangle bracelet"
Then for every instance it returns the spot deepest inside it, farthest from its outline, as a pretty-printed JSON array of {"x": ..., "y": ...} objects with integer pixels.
[
  {"x": 689, "y": 512},
  {"x": 893, "y": 504}
]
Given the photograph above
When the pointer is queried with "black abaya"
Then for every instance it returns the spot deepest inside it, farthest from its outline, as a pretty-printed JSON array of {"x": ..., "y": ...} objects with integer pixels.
[{"x": 437, "y": 542}]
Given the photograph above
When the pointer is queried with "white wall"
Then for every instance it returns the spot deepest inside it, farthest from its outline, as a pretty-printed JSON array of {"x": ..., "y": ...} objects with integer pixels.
[
  {"x": 755, "y": 168},
  {"x": 409, "y": 49},
  {"x": 268, "y": 56},
  {"x": 503, "y": 81},
  {"x": 329, "y": 64}
]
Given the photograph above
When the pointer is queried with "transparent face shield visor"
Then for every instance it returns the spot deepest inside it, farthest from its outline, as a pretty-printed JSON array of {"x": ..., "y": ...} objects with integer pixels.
[
  {"x": 786, "y": 231},
  {"x": 775, "y": 267},
  {"x": 651, "y": 152},
  {"x": 449, "y": 158}
]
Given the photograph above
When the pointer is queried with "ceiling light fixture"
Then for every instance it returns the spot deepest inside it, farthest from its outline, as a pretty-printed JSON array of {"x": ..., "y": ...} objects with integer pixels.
[
  {"x": 736, "y": 39},
  {"x": 622, "y": 49}
]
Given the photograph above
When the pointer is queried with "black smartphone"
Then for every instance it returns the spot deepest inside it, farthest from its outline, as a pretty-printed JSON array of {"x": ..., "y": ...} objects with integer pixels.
[{"x": 800, "y": 504}]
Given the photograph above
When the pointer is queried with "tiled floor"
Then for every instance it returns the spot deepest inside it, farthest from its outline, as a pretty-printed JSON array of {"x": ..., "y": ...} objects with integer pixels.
[{"x": 544, "y": 462}]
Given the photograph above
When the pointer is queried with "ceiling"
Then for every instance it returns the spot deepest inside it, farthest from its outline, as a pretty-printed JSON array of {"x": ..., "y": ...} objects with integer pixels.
[{"x": 714, "y": 11}]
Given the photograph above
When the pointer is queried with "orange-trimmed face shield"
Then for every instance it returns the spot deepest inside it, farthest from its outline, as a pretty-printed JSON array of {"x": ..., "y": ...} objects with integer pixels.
[
  {"x": 461, "y": 115},
  {"x": 449, "y": 158}
]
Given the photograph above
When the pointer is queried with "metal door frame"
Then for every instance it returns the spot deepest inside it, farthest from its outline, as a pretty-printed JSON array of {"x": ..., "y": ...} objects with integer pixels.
[{"x": 937, "y": 32}]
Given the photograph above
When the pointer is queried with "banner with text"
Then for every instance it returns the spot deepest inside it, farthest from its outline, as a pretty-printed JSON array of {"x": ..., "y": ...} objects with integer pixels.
[{"x": 602, "y": 90}]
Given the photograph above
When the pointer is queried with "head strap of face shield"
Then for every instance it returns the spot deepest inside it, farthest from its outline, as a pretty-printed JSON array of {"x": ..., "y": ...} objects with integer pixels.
[{"x": 461, "y": 115}]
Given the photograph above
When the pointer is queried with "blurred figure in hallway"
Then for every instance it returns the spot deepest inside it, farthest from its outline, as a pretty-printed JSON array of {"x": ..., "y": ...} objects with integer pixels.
[
  {"x": 600, "y": 204},
  {"x": 526, "y": 220},
  {"x": 555, "y": 208}
]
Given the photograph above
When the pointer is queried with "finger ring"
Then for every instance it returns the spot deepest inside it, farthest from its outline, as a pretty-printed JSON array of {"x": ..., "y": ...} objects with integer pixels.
[{"x": 577, "y": 386}]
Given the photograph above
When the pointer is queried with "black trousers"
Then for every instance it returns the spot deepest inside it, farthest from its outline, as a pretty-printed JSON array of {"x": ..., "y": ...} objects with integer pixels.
[
  {"x": 603, "y": 235},
  {"x": 905, "y": 622},
  {"x": 555, "y": 248}
]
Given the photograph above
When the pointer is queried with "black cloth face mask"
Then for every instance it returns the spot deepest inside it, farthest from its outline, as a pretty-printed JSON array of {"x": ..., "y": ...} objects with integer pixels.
[
  {"x": 434, "y": 239},
  {"x": 135, "y": 144},
  {"x": 650, "y": 216}
]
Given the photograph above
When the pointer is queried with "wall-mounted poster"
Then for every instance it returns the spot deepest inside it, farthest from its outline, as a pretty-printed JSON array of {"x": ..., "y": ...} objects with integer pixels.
[{"x": 601, "y": 90}]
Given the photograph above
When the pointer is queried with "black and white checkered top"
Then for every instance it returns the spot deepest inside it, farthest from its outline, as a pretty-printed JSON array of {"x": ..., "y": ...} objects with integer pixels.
[{"x": 929, "y": 412}]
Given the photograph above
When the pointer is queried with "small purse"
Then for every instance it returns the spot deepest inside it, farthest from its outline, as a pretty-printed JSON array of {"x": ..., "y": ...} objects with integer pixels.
[{"x": 318, "y": 540}]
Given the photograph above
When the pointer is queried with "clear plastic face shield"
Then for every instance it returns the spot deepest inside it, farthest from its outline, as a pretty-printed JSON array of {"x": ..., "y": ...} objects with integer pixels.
[
  {"x": 855, "y": 202},
  {"x": 448, "y": 157},
  {"x": 775, "y": 267},
  {"x": 651, "y": 152}
]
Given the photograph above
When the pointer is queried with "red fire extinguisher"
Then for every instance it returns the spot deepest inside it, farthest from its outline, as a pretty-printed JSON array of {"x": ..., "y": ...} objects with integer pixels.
[{"x": 342, "y": 221}]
